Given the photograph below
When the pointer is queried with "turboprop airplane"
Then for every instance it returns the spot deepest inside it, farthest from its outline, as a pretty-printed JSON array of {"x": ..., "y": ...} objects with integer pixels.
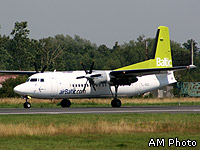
[{"x": 122, "y": 82}]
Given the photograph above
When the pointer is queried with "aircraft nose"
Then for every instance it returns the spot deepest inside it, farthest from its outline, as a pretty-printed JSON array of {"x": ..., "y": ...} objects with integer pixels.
[{"x": 19, "y": 89}]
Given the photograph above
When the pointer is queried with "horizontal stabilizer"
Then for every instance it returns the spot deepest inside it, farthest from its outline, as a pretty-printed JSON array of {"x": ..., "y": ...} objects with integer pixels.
[{"x": 160, "y": 63}]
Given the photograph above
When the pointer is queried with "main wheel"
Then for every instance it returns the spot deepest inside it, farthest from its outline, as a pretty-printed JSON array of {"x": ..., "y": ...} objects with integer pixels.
[
  {"x": 27, "y": 105},
  {"x": 116, "y": 103},
  {"x": 65, "y": 103}
]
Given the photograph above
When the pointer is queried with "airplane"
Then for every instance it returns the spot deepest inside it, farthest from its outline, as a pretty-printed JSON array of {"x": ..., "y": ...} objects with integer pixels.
[{"x": 122, "y": 82}]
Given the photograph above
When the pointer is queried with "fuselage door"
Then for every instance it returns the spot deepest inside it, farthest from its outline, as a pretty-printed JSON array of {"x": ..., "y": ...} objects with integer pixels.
[{"x": 54, "y": 87}]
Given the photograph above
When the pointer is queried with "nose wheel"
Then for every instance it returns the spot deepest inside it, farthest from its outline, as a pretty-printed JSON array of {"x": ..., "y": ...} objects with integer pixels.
[{"x": 27, "y": 104}]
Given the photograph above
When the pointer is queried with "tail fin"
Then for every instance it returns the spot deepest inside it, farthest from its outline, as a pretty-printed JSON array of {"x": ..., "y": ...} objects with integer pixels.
[
  {"x": 162, "y": 49},
  {"x": 162, "y": 53}
]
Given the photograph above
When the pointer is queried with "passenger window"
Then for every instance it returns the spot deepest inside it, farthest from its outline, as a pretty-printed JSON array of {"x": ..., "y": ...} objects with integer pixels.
[
  {"x": 28, "y": 80},
  {"x": 33, "y": 80},
  {"x": 41, "y": 80}
]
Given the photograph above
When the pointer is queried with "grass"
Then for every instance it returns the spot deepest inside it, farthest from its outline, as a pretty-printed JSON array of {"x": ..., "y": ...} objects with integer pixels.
[
  {"x": 100, "y": 127},
  {"x": 46, "y": 103},
  {"x": 97, "y": 124},
  {"x": 95, "y": 131},
  {"x": 137, "y": 141}
]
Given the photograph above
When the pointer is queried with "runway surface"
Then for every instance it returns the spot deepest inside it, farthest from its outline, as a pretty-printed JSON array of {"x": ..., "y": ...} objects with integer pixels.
[{"x": 103, "y": 110}]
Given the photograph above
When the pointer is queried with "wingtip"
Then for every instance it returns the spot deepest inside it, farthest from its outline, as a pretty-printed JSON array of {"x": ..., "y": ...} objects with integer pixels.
[{"x": 191, "y": 66}]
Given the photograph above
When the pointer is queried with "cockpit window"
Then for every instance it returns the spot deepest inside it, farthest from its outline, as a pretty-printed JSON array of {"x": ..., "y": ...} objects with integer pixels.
[{"x": 33, "y": 80}]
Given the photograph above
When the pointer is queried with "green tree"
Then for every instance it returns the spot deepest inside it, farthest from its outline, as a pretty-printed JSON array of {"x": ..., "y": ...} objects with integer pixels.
[
  {"x": 180, "y": 55},
  {"x": 20, "y": 47},
  {"x": 187, "y": 45},
  {"x": 50, "y": 52},
  {"x": 8, "y": 85},
  {"x": 5, "y": 57}
]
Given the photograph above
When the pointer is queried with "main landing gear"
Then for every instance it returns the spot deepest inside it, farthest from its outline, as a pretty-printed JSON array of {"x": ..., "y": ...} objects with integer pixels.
[
  {"x": 116, "y": 102},
  {"x": 65, "y": 103},
  {"x": 27, "y": 104}
]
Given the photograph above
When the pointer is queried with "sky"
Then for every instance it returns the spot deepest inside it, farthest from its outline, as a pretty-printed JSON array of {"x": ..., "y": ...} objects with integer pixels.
[{"x": 103, "y": 21}]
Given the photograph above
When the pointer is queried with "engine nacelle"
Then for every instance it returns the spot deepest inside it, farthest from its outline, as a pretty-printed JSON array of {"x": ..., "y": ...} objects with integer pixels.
[
  {"x": 104, "y": 78},
  {"x": 123, "y": 80}
]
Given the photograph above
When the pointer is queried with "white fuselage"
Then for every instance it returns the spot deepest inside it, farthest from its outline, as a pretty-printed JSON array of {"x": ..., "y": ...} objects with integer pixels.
[{"x": 64, "y": 85}]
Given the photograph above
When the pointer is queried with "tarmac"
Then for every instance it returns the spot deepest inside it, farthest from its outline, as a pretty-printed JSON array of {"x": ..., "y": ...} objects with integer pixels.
[{"x": 102, "y": 110}]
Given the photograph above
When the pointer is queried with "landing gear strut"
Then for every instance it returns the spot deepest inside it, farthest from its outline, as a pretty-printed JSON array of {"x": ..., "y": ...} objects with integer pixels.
[
  {"x": 116, "y": 102},
  {"x": 27, "y": 104},
  {"x": 65, "y": 103}
]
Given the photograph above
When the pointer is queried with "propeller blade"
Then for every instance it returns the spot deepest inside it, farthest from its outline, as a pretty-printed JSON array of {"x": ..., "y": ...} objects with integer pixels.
[
  {"x": 84, "y": 68},
  {"x": 91, "y": 67},
  {"x": 95, "y": 75},
  {"x": 45, "y": 67},
  {"x": 92, "y": 84},
  {"x": 89, "y": 78},
  {"x": 80, "y": 77},
  {"x": 85, "y": 85},
  {"x": 36, "y": 68}
]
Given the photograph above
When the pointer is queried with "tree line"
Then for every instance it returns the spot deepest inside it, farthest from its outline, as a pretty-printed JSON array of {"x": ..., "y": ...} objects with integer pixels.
[{"x": 64, "y": 53}]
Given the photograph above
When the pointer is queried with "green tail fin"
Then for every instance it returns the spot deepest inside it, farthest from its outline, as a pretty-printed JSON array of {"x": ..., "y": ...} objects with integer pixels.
[
  {"x": 162, "y": 53},
  {"x": 163, "y": 50}
]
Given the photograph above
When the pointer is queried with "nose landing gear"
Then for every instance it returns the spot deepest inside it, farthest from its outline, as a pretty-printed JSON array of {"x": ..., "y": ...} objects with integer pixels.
[{"x": 27, "y": 104}]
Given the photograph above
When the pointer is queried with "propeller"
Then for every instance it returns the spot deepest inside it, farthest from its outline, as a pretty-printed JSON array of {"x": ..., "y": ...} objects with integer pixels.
[
  {"x": 89, "y": 76},
  {"x": 36, "y": 68},
  {"x": 44, "y": 68},
  {"x": 91, "y": 68}
]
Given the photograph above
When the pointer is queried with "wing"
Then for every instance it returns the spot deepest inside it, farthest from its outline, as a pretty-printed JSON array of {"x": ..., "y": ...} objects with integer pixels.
[
  {"x": 18, "y": 72},
  {"x": 29, "y": 73},
  {"x": 140, "y": 72},
  {"x": 126, "y": 77}
]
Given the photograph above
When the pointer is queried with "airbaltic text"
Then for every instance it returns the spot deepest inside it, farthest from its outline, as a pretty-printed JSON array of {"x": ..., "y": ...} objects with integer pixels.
[
  {"x": 163, "y": 62},
  {"x": 71, "y": 91}
]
